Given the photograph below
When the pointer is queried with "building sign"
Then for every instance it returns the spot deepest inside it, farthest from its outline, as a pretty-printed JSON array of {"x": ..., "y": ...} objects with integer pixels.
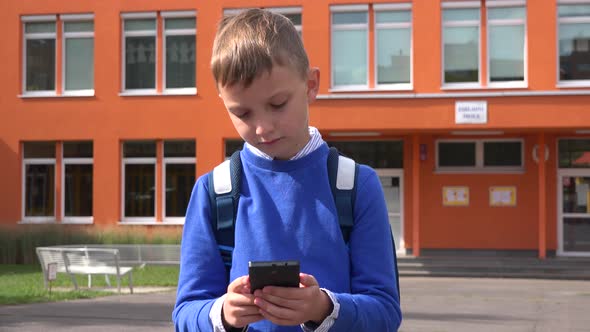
[
  {"x": 471, "y": 112},
  {"x": 455, "y": 196},
  {"x": 502, "y": 196}
]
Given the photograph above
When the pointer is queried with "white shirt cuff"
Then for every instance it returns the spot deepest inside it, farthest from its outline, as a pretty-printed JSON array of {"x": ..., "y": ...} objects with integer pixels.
[
  {"x": 215, "y": 315},
  {"x": 329, "y": 321}
]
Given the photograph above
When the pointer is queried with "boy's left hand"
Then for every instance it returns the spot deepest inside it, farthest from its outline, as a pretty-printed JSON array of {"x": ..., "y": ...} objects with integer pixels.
[{"x": 294, "y": 306}]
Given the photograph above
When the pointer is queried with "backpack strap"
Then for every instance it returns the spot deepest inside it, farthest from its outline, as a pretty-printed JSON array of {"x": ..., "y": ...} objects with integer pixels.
[
  {"x": 224, "y": 194},
  {"x": 342, "y": 174}
]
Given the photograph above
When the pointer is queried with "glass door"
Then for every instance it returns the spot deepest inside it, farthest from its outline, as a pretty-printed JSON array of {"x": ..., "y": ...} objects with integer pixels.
[
  {"x": 573, "y": 201},
  {"x": 574, "y": 210},
  {"x": 392, "y": 183}
]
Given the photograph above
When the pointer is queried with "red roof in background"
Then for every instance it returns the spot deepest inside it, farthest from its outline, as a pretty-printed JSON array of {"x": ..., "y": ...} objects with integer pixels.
[{"x": 584, "y": 159}]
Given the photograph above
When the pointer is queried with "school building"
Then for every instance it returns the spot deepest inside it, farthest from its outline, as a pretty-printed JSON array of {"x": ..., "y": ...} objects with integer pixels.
[{"x": 475, "y": 114}]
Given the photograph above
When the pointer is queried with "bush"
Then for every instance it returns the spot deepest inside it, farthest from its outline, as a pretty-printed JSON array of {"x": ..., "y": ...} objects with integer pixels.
[{"x": 18, "y": 243}]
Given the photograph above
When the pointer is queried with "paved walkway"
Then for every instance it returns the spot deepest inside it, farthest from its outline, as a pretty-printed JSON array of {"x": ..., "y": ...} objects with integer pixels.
[{"x": 429, "y": 305}]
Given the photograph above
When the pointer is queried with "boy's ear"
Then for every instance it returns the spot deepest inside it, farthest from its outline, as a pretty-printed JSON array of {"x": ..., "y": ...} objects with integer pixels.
[{"x": 313, "y": 83}]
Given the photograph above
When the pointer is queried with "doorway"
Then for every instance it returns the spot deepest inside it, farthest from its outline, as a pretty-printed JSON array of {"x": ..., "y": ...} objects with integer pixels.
[{"x": 392, "y": 182}]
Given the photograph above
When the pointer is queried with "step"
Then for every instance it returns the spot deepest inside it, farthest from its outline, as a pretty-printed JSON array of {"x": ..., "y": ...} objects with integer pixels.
[{"x": 574, "y": 268}]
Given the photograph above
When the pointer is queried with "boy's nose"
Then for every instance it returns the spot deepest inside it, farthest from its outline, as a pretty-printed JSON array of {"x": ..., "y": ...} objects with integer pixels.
[{"x": 264, "y": 127}]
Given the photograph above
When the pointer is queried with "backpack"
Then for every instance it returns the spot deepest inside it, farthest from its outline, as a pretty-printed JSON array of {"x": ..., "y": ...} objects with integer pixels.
[{"x": 224, "y": 195}]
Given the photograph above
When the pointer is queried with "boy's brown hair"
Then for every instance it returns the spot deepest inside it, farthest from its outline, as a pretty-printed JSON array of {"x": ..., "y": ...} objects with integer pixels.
[{"x": 252, "y": 42}]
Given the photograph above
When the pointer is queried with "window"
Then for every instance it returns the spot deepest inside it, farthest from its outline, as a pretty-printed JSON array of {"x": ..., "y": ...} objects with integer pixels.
[
  {"x": 139, "y": 48},
  {"x": 350, "y": 46},
  {"x": 78, "y": 50},
  {"x": 574, "y": 43},
  {"x": 393, "y": 46},
  {"x": 180, "y": 41},
  {"x": 179, "y": 170},
  {"x": 506, "y": 44},
  {"x": 143, "y": 185},
  {"x": 353, "y": 28},
  {"x": 462, "y": 26},
  {"x": 40, "y": 57},
  {"x": 574, "y": 153},
  {"x": 139, "y": 176},
  {"x": 77, "y": 177},
  {"x": 456, "y": 154},
  {"x": 461, "y": 43},
  {"x": 38, "y": 181},
  {"x": 140, "y": 53},
  {"x": 479, "y": 155}
]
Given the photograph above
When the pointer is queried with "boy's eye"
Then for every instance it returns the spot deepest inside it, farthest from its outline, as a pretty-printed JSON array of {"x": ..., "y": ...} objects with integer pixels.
[
  {"x": 279, "y": 105},
  {"x": 242, "y": 115}
]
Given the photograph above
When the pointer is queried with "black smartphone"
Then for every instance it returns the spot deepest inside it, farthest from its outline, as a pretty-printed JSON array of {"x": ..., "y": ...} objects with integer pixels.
[{"x": 273, "y": 273}]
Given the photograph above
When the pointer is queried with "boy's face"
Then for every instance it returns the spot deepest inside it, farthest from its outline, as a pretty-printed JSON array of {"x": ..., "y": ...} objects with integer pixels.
[{"x": 272, "y": 113}]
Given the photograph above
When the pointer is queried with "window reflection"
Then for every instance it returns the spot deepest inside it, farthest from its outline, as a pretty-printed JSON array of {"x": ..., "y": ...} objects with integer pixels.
[
  {"x": 39, "y": 190},
  {"x": 139, "y": 190}
]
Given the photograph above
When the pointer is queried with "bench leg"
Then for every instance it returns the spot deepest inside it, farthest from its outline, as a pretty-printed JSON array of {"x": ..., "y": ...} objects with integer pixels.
[
  {"x": 130, "y": 282},
  {"x": 89, "y": 281},
  {"x": 119, "y": 283},
  {"x": 108, "y": 281},
  {"x": 73, "y": 277}
]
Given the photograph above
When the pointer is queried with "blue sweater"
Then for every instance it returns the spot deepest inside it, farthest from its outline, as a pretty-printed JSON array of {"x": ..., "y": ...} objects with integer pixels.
[{"x": 287, "y": 212}]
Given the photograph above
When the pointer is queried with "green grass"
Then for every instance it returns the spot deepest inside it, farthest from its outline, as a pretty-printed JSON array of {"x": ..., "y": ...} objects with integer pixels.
[
  {"x": 18, "y": 242},
  {"x": 24, "y": 283}
]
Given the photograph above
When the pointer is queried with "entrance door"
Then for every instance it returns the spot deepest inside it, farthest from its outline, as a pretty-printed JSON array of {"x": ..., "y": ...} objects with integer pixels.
[
  {"x": 574, "y": 212},
  {"x": 392, "y": 183}
]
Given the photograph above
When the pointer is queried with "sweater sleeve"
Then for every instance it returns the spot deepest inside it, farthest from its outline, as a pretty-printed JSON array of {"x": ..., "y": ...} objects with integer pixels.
[
  {"x": 202, "y": 277},
  {"x": 373, "y": 304}
]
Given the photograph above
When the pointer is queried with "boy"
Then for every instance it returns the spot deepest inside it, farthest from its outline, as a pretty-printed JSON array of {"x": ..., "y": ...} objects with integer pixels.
[{"x": 286, "y": 210}]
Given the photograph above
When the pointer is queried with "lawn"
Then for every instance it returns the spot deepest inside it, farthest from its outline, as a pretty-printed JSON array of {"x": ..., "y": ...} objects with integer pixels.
[{"x": 24, "y": 283}]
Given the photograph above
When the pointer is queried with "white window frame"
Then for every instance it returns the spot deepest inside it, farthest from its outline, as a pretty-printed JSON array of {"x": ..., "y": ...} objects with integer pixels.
[
  {"x": 455, "y": 24},
  {"x": 37, "y": 161},
  {"x": 73, "y": 161},
  {"x": 173, "y": 161},
  {"x": 39, "y": 35},
  {"x": 87, "y": 34},
  {"x": 479, "y": 157},
  {"x": 137, "y": 161},
  {"x": 566, "y": 20},
  {"x": 348, "y": 27},
  {"x": 177, "y": 32},
  {"x": 389, "y": 26},
  {"x": 140, "y": 33}
]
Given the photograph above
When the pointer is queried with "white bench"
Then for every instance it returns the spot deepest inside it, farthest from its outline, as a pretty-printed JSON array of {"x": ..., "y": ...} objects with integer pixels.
[{"x": 86, "y": 261}]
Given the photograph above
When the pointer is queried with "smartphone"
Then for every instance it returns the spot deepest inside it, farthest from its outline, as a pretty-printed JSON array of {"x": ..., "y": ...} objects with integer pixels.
[{"x": 273, "y": 273}]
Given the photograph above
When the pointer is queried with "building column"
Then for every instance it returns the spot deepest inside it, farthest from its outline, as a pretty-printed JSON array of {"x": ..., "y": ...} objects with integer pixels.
[
  {"x": 416, "y": 195},
  {"x": 159, "y": 191},
  {"x": 57, "y": 201},
  {"x": 542, "y": 197}
]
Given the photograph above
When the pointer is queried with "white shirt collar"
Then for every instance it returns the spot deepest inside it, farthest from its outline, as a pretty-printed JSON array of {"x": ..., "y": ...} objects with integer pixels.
[{"x": 315, "y": 141}]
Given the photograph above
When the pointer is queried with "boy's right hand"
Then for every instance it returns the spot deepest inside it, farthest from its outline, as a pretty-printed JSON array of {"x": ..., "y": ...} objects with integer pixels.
[{"x": 239, "y": 309}]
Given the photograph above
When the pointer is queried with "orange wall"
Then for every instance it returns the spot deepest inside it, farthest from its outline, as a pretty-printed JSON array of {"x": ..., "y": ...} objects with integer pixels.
[{"x": 479, "y": 225}]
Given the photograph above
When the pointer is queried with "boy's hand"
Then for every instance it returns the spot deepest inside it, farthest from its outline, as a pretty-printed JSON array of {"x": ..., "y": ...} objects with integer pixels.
[
  {"x": 294, "y": 306},
  {"x": 239, "y": 309}
]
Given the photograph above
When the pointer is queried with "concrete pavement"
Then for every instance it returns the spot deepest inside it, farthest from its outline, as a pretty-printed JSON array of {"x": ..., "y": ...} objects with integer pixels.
[{"x": 428, "y": 304}]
